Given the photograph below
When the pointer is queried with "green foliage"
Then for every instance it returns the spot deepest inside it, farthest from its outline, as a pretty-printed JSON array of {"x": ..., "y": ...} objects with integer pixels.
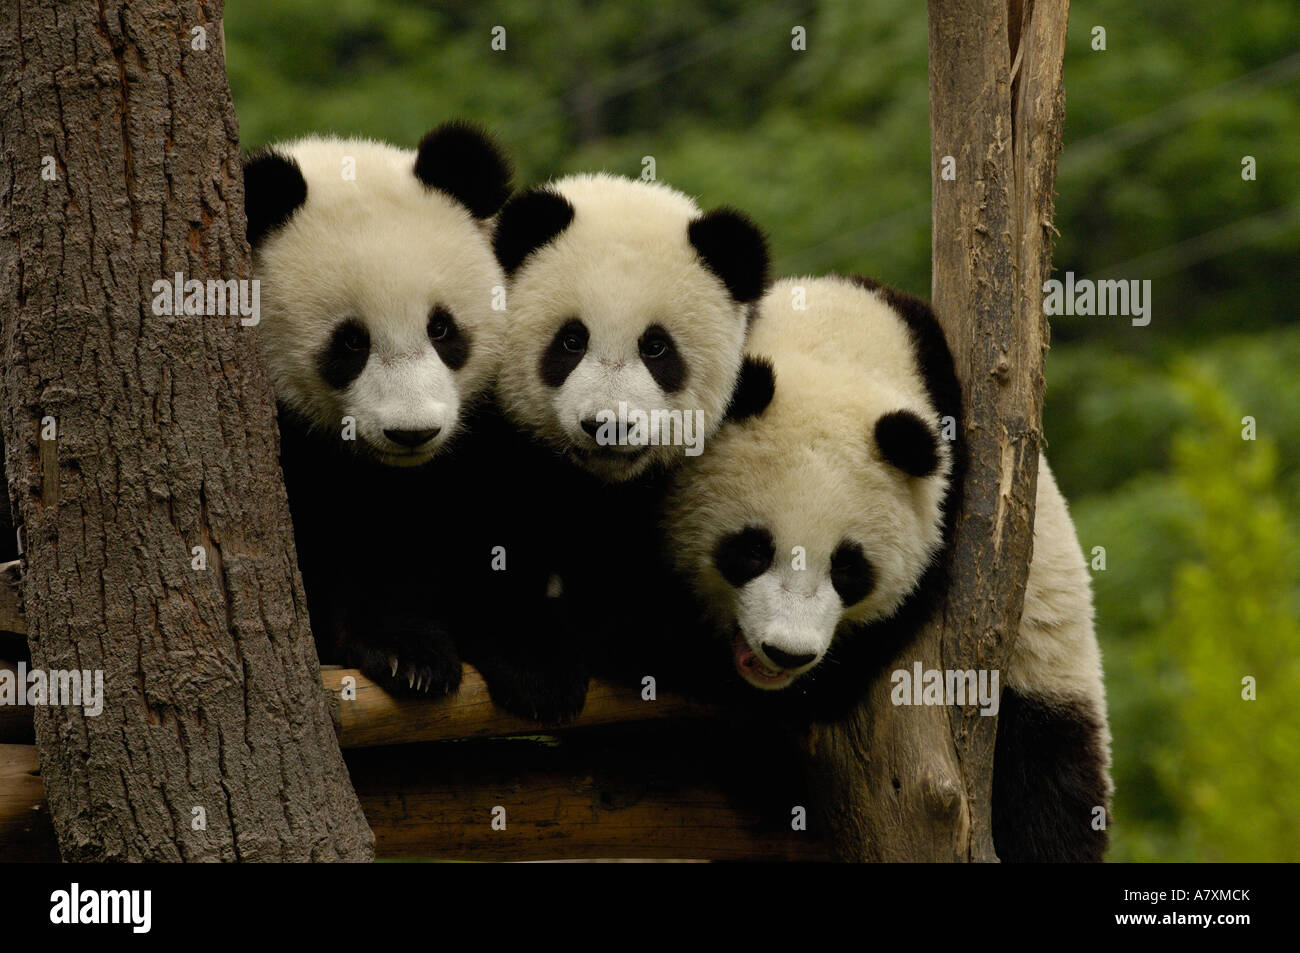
[
  {"x": 829, "y": 149},
  {"x": 1198, "y": 538},
  {"x": 1228, "y": 765},
  {"x": 1156, "y": 128}
]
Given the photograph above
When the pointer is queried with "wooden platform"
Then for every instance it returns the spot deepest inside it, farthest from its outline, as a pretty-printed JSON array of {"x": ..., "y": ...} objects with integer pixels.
[{"x": 628, "y": 778}]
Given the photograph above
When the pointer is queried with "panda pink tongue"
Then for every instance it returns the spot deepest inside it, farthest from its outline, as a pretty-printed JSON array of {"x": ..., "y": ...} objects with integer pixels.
[{"x": 748, "y": 663}]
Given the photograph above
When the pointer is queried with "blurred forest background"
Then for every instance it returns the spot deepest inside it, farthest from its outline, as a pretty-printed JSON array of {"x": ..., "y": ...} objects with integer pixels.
[{"x": 829, "y": 150}]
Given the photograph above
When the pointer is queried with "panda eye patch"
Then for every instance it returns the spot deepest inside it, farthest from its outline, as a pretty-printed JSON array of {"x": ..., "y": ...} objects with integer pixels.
[
  {"x": 345, "y": 356},
  {"x": 451, "y": 343},
  {"x": 564, "y": 353},
  {"x": 743, "y": 556},
  {"x": 851, "y": 573},
  {"x": 661, "y": 358}
]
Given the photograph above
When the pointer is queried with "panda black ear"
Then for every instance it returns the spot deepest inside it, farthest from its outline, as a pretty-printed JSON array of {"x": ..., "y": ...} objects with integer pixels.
[
  {"x": 273, "y": 190},
  {"x": 754, "y": 389},
  {"x": 462, "y": 160},
  {"x": 906, "y": 442},
  {"x": 734, "y": 249},
  {"x": 529, "y": 221}
]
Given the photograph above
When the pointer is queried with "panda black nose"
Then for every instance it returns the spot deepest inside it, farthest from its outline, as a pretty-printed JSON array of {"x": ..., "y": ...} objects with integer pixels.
[
  {"x": 591, "y": 425},
  {"x": 786, "y": 659},
  {"x": 412, "y": 438}
]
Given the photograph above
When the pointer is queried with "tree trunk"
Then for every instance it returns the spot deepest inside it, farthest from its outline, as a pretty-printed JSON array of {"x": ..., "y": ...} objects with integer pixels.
[
  {"x": 914, "y": 783},
  {"x": 121, "y": 168}
]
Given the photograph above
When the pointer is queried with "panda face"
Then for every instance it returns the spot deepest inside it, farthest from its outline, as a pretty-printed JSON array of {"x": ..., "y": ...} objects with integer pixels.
[
  {"x": 618, "y": 314},
  {"x": 381, "y": 334},
  {"x": 378, "y": 319},
  {"x": 601, "y": 365},
  {"x": 823, "y": 509},
  {"x": 637, "y": 332},
  {"x": 789, "y": 544}
]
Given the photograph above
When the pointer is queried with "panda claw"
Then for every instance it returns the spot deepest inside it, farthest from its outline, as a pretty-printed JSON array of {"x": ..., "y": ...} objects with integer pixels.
[{"x": 410, "y": 665}]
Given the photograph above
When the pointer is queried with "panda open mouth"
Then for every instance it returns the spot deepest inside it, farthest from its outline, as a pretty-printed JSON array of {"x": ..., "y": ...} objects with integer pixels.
[{"x": 753, "y": 669}]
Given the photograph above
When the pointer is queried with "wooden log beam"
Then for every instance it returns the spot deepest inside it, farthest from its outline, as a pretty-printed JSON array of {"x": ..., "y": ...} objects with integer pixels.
[
  {"x": 576, "y": 800},
  {"x": 664, "y": 791},
  {"x": 26, "y": 833},
  {"x": 15, "y": 720},
  {"x": 368, "y": 716}
]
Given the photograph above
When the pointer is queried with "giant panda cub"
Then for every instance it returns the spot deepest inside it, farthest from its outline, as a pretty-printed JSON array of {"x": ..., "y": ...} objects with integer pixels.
[
  {"x": 627, "y": 304},
  {"x": 379, "y": 334},
  {"x": 813, "y": 532}
]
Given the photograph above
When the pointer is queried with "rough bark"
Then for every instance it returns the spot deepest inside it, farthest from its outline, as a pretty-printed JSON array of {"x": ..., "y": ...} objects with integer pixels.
[
  {"x": 166, "y": 440},
  {"x": 914, "y": 783}
]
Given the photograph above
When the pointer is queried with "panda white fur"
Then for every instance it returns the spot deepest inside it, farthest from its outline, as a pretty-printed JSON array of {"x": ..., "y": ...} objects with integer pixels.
[
  {"x": 379, "y": 334},
  {"x": 624, "y": 298},
  {"x": 813, "y": 532}
]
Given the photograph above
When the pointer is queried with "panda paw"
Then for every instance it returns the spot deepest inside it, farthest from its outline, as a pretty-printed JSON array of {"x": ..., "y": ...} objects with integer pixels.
[
  {"x": 410, "y": 664},
  {"x": 548, "y": 694}
]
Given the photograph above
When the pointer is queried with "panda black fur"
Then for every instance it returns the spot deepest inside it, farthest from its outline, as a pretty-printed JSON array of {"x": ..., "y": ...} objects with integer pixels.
[
  {"x": 380, "y": 337},
  {"x": 845, "y": 461},
  {"x": 621, "y": 291}
]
